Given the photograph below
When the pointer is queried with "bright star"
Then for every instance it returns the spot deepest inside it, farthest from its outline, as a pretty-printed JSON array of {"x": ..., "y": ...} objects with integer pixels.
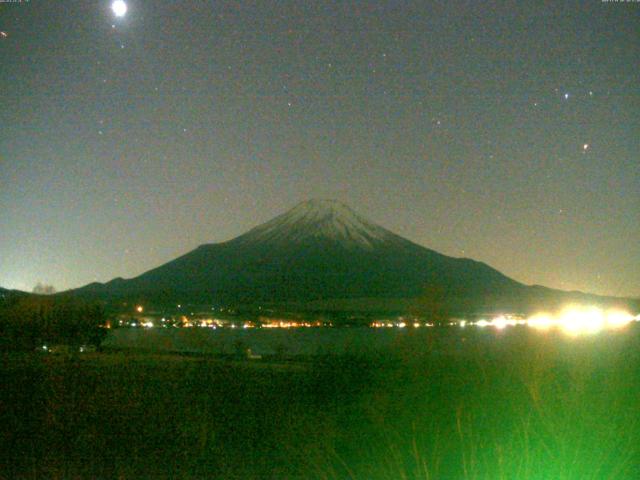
[
  {"x": 566, "y": 96},
  {"x": 119, "y": 8}
]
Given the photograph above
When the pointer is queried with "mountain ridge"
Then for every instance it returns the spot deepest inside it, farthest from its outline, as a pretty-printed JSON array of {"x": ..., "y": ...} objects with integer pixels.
[{"x": 320, "y": 251}]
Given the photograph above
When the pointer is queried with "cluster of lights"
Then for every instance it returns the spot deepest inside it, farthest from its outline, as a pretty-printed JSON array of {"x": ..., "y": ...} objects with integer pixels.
[
  {"x": 291, "y": 324},
  {"x": 499, "y": 322},
  {"x": 400, "y": 324},
  {"x": 207, "y": 323},
  {"x": 572, "y": 321},
  {"x": 186, "y": 322},
  {"x": 576, "y": 320}
]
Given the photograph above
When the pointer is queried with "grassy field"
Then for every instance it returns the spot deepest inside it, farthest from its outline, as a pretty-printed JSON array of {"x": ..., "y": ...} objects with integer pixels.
[{"x": 527, "y": 406}]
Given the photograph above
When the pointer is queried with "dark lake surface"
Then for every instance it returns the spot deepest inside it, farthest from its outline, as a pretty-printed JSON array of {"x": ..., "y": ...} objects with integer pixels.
[
  {"x": 340, "y": 340},
  {"x": 294, "y": 341}
]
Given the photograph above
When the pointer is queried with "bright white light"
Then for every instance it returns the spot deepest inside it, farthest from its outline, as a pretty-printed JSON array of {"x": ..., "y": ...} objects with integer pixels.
[
  {"x": 119, "y": 8},
  {"x": 575, "y": 321},
  {"x": 618, "y": 319},
  {"x": 540, "y": 321},
  {"x": 463, "y": 323},
  {"x": 499, "y": 322}
]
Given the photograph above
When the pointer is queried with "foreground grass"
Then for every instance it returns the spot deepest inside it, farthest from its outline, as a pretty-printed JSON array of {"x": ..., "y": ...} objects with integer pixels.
[{"x": 525, "y": 406}]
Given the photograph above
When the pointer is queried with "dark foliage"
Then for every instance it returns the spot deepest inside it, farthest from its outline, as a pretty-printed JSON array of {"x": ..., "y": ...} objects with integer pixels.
[{"x": 29, "y": 322}]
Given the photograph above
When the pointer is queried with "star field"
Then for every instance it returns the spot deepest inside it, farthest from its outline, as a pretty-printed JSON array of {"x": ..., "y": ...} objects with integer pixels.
[{"x": 504, "y": 132}]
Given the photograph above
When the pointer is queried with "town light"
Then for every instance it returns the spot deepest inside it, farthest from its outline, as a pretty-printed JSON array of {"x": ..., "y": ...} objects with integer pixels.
[
  {"x": 540, "y": 321},
  {"x": 575, "y": 321}
]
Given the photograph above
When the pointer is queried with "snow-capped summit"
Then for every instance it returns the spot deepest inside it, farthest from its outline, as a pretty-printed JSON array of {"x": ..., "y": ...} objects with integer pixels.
[{"x": 319, "y": 219}]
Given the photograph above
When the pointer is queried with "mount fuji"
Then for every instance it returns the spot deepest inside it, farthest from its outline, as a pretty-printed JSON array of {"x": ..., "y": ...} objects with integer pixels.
[{"x": 323, "y": 255}]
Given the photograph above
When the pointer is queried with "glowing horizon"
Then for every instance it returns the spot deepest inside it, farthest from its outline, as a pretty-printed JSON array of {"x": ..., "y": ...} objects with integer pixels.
[{"x": 572, "y": 320}]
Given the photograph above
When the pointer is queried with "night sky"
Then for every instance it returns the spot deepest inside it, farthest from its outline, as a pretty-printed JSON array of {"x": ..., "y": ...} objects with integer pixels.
[{"x": 508, "y": 132}]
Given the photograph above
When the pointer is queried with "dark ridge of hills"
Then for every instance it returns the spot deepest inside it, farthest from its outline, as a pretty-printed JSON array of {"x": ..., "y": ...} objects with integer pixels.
[{"x": 6, "y": 294}]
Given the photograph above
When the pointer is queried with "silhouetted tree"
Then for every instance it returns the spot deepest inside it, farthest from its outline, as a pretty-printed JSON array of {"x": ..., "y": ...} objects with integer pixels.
[{"x": 42, "y": 289}]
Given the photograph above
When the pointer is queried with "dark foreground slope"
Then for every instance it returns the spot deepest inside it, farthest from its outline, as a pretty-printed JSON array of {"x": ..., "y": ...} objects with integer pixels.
[{"x": 322, "y": 255}]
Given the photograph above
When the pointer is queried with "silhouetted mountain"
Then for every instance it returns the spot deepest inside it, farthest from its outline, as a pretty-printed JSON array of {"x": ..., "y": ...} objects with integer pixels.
[{"x": 322, "y": 255}]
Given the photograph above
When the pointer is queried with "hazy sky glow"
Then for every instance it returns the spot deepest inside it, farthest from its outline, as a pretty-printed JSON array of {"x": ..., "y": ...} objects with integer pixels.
[{"x": 506, "y": 132}]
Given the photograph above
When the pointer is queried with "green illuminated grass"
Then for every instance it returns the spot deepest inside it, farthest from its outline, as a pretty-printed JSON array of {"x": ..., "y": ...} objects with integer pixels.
[{"x": 519, "y": 406}]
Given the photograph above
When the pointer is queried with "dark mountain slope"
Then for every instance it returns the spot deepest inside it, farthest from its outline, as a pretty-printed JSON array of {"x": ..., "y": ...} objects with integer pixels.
[{"x": 320, "y": 251}]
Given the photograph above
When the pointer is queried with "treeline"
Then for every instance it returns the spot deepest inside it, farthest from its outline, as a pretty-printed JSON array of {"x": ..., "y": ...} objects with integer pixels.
[{"x": 29, "y": 322}]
